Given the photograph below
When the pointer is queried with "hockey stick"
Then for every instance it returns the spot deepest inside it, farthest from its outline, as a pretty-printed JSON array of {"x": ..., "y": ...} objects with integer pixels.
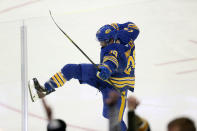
[
  {"x": 84, "y": 54},
  {"x": 74, "y": 42}
]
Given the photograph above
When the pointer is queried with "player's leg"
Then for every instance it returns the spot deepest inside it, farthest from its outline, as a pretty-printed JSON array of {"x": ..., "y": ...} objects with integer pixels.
[
  {"x": 85, "y": 73},
  {"x": 68, "y": 72},
  {"x": 121, "y": 106}
]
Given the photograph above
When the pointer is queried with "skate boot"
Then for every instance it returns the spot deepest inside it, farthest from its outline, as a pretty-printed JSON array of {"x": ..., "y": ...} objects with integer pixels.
[{"x": 36, "y": 90}]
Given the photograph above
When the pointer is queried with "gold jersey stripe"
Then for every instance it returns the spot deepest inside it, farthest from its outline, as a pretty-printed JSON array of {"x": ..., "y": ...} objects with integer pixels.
[
  {"x": 111, "y": 58},
  {"x": 115, "y": 25},
  {"x": 133, "y": 26},
  {"x": 123, "y": 82},
  {"x": 123, "y": 85},
  {"x": 108, "y": 58},
  {"x": 120, "y": 85},
  {"x": 123, "y": 78},
  {"x": 130, "y": 30},
  {"x": 115, "y": 62}
]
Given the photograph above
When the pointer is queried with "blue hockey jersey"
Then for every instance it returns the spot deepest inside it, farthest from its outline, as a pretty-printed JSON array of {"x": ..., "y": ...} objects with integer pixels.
[
  {"x": 120, "y": 57},
  {"x": 121, "y": 61}
]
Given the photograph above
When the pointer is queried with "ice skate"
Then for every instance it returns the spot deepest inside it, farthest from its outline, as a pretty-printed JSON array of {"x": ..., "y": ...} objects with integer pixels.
[{"x": 36, "y": 90}]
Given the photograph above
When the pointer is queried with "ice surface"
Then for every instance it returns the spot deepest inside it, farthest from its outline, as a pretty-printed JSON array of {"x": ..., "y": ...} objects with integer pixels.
[{"x": 168, "y": 35}]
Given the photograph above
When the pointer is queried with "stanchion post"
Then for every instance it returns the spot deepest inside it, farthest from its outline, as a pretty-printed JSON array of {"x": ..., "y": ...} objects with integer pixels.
[{"x": 24, "y": 76}]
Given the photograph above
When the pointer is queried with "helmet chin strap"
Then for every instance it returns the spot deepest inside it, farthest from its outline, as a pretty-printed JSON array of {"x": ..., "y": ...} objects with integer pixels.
[{"x": 108, "y": 42}]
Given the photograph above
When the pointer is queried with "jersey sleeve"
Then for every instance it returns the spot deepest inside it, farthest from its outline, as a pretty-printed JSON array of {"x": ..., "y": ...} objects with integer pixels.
[
  {"x": 129, "y": 25},
  {"x": 110, "y": 61},
  {"x": 126, "y": 32},
  {"x": 110, "y": 58}
]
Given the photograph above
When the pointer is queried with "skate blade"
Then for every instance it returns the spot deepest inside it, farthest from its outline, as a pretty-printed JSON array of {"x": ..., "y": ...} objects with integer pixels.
[{"x": 32, "y": 91}]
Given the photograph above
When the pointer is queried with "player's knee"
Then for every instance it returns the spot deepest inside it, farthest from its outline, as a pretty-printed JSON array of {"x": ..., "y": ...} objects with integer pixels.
[{"x": 71, "y": 71}]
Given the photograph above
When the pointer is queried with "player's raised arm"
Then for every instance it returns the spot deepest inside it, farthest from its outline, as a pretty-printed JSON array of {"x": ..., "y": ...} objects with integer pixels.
[{"x": 126, "y": 32}]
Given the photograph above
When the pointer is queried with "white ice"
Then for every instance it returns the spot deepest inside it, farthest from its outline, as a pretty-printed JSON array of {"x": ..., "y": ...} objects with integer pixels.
[{"x": 166, "y": 59}]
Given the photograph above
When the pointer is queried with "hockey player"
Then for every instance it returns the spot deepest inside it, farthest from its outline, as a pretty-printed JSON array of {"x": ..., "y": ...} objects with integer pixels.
[{"x": 116, "y": 68}]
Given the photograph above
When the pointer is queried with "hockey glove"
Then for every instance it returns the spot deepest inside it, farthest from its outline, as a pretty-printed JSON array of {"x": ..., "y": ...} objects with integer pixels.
[{"x": 104, "y": 72}]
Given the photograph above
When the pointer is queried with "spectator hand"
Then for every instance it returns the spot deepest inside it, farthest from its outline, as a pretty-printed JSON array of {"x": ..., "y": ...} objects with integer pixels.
[
  {"x": 47, "y": 109},
  {"x": 132, "y": 103}
]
